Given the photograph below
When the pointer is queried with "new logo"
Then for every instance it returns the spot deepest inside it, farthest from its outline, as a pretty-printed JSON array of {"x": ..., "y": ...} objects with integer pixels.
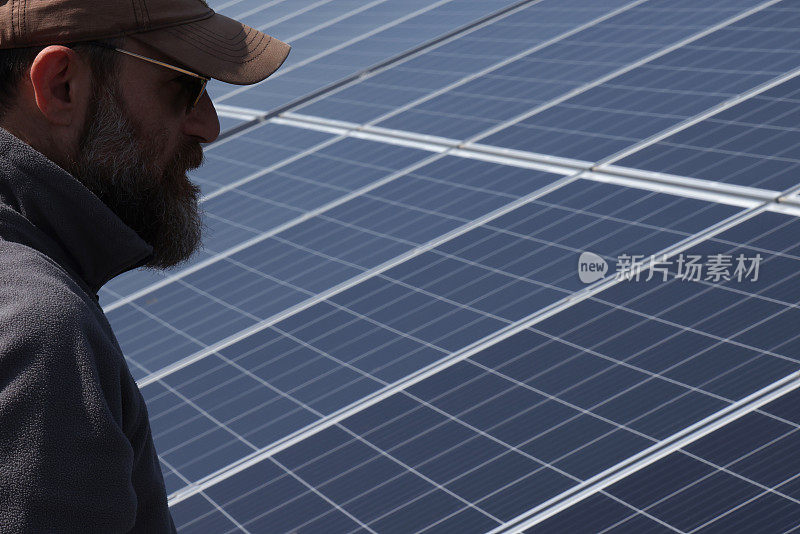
[{"x": 591, "y": 267}]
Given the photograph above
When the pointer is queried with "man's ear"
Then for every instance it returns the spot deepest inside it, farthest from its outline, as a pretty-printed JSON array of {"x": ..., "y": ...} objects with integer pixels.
[{"x": 59, "y": 78}]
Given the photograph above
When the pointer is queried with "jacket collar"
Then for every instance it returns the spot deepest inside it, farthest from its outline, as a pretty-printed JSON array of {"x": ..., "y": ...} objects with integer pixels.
[{"x": 80, "y": 232}]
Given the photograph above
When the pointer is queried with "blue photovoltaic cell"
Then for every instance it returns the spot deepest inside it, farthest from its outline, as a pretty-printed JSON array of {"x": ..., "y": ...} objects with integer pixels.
[
  {"x": 330, "y": 355},
  {"x": 744, "y": 478},
  {"x": 459, "y": 58},
  {"x": 665, "y": 91},
  {"x": 364, "y": 38},
  {"x": 491, "y": 437},
  {"x": 554, "y": 70},
  {"x": 754, "y": 144}
]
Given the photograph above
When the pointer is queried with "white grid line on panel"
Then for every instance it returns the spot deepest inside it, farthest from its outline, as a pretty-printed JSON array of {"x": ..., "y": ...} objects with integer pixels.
[
  {"x": 767, "y": 490},
  {"x": 274, "y": 168},
  {"x": 208, "y": 416},
  {"x": 230, "y": 3},
  {"x": 168, "y": 326},
  {"x": 233, "y": 112}
]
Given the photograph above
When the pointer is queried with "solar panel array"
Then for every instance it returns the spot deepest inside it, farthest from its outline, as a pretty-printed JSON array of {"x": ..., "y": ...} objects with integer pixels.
[{"x": 387, "y": 330}]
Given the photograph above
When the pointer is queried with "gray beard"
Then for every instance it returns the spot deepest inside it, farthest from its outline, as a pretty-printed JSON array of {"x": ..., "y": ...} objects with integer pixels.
[{"x": 118, "y": 165}]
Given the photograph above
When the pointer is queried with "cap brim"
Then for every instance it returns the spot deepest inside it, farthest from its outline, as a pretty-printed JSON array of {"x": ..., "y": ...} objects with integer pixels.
[{"x": 221, "y": 48}]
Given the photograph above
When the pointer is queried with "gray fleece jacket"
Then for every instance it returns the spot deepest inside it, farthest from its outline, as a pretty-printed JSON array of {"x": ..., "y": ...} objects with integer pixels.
[{"x": 76, "y": 453}]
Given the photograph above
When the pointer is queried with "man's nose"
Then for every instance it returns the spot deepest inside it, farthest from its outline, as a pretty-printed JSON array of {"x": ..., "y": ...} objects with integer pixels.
[{"x": 202, "y": 121}]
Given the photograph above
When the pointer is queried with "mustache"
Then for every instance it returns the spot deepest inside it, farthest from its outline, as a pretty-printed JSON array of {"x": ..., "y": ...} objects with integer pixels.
[{"x": 190, "y": 155}]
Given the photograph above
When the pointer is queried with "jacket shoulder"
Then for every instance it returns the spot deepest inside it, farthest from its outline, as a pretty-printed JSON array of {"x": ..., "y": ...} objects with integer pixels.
[
  {"x": 61, "y": 400},
  {"x": 36, "y": 291}
]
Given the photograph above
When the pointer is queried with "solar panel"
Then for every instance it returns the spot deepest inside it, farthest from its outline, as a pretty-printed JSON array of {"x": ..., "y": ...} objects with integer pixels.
[
  {"x": 332, "y": 354},
  {"x": 743, "y": 476},
  {"x": 545, "y": 410},
  {"x": 450, "y": 280}
]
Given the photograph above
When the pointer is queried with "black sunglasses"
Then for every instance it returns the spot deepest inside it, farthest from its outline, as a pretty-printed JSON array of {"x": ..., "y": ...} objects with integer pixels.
[{"x": 195, "y": 84}]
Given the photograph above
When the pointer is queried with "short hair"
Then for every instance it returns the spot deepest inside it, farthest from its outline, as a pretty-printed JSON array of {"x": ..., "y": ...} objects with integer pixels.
[{"x": 15, "y": 63}]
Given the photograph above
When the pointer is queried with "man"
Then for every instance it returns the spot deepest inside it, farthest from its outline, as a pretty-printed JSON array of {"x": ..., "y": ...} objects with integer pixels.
[{"x": 103, "y": 110}]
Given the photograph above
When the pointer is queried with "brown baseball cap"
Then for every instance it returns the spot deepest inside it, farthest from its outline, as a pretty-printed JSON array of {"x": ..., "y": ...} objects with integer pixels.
[{"x": 187, "y": 31}]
